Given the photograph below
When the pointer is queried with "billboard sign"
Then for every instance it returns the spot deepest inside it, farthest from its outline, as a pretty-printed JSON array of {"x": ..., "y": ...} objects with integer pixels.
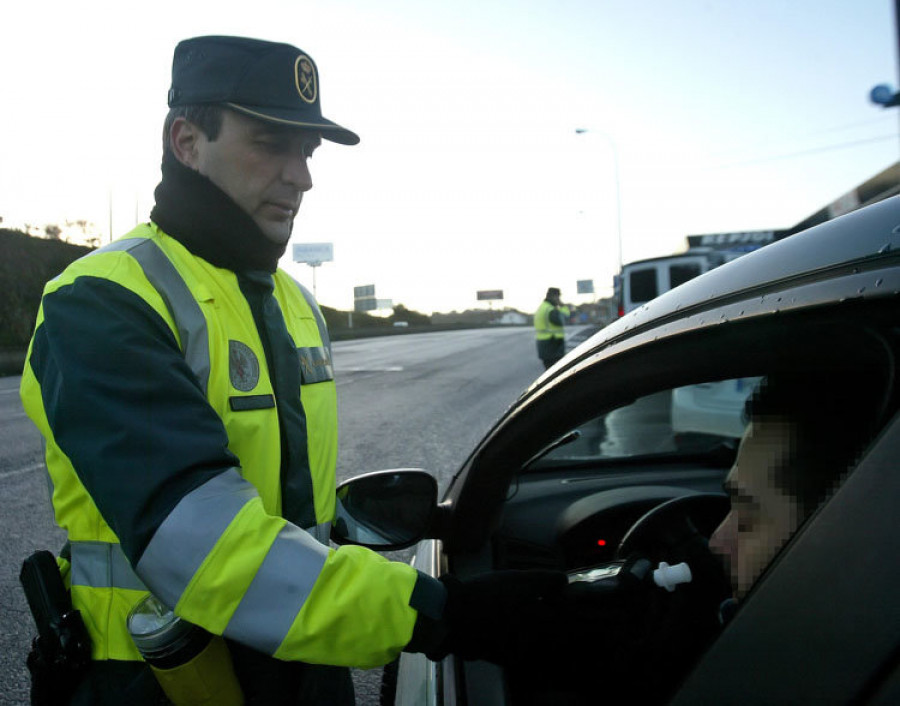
[
  {"x": 313, "y": 253},
  {"x": 749, "y": 239},
  {"x": 490, "y": 295}
]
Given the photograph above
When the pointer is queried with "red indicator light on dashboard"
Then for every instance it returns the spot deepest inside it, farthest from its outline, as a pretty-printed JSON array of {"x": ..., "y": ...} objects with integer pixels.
[{"x": 601, "y": 542}]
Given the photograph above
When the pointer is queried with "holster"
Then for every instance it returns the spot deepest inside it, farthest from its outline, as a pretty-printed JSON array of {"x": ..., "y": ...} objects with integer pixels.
[{"x": 61, "y": 652}]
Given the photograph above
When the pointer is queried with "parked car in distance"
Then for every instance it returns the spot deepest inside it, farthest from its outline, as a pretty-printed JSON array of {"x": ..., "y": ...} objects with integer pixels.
[
  {"x": 712, "y": 407},
  {"x": 628, "y": 422}
]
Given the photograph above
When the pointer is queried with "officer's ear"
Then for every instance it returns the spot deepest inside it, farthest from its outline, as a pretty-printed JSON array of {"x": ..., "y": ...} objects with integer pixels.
[{"x": 184, "y": 140}]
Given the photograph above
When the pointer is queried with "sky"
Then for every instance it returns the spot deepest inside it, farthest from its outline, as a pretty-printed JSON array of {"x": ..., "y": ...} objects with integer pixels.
[{"x": 696, "y": 116}]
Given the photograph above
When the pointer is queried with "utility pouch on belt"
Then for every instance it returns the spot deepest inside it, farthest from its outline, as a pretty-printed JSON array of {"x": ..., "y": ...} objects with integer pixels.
[{"x": 61, "y": 652}]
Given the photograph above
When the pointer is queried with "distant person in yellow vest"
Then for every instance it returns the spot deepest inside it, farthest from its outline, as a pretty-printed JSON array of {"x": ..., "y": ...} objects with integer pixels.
[{"x": 549, "y": 328}]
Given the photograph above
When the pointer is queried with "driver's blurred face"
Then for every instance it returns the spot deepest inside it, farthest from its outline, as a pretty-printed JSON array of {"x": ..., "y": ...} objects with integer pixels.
[{"x": 763, "y": 517}]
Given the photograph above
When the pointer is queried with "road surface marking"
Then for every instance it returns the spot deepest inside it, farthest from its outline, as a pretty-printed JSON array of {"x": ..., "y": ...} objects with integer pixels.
[{"x": 20, "y": 471}]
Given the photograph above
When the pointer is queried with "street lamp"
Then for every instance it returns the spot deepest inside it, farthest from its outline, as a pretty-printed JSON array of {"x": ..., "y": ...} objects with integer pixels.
[{"x": 615, "y": 156}]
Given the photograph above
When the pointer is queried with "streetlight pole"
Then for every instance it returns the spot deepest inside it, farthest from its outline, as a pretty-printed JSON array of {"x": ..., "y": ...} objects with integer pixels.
[{"x": 615, "y": 159}]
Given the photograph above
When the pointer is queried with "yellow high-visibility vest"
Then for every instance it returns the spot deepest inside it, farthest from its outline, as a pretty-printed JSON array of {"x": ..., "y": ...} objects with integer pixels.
[
  {"x": 544, "y": 329},
  {"x": 221, "y": 554}
]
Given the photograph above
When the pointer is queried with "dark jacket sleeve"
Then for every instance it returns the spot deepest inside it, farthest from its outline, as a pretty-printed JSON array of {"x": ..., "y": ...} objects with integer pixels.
[
  {"x": 556, "y": 317},
  {"x": 124, "y": 406}
]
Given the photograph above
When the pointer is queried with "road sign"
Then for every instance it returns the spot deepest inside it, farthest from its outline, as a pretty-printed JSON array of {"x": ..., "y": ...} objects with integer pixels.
[
  {"x": 585, "y": 286},
  {"x": 372, "y": 304}
]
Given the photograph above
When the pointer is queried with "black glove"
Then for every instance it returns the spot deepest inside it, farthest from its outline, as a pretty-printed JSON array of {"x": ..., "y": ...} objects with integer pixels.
[
  {"x": 536, "y": 619},
  {"x": 499, "y": 616}
]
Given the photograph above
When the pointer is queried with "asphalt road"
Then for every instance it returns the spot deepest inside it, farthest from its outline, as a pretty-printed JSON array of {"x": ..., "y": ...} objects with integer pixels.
[{"x": 419, "y": 400}]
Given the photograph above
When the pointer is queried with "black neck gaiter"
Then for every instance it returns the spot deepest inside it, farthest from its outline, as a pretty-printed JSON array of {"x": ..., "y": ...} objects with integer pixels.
[{"x": 203, "y": 218}]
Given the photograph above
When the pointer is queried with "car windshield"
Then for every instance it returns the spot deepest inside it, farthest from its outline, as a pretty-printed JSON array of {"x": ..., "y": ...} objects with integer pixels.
[{"x": 689, "y": 420}]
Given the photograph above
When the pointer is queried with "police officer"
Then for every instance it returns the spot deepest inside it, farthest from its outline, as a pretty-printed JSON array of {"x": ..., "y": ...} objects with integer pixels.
[
  {"x": 185, "y": 391},
  {"x": 549, "y": 328}
]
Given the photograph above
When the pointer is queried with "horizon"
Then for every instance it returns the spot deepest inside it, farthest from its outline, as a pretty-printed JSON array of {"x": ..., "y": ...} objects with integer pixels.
[{"x": 472, "y": 174}]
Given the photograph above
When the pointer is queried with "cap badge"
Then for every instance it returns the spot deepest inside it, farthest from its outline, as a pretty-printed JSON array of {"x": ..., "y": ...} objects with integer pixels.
[
  {"x": 243, "y": 366},
  {"x": 305, "y": 76}
]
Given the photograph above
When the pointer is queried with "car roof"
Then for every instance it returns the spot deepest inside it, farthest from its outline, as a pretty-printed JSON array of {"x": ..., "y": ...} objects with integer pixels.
[{"x": 864, "y": 239}]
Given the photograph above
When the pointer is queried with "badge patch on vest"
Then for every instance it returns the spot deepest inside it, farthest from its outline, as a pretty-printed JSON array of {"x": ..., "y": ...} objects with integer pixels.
[{"x": 243, "y": 366}]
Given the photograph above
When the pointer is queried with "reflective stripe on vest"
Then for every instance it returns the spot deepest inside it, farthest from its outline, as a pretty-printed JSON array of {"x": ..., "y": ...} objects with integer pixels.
[
  {"x": 320, "y": 320},
  {"x": 181, "y": 543},
  {"x": 185, "y": 311},
  {"x": 315, "y": 363},
  {"x": 294, "y": 553},
  {"x": 102, "y": 565},
  {"x": 262, "y": 622}
]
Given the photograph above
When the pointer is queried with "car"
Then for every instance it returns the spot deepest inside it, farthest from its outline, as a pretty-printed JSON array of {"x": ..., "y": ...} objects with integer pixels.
[
  {"x": 712, "y": 407},
  {"x": 588, "y": 456}
]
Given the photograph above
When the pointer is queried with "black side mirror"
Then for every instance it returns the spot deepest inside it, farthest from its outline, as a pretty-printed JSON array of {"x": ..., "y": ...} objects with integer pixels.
[{"x": 386, "y": 510}]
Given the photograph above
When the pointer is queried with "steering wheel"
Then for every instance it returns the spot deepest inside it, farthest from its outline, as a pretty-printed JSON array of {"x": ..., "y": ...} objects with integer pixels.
[{"x": 671, "y": 523}]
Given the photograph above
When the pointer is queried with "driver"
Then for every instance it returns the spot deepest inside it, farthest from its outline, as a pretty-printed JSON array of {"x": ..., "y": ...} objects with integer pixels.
[{"x": 804, "y": 433}]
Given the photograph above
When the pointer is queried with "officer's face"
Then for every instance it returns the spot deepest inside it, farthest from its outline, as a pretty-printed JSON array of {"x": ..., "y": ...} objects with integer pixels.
[
  {"x": 763, "y": 517},
  {"x": 262, "y": 166}
]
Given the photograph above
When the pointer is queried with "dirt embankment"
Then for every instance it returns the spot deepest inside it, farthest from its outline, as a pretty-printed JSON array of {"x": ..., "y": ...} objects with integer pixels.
[{"x": 26, "y": 263}]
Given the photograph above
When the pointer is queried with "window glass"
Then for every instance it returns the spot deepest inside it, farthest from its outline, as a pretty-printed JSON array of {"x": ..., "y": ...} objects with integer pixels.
[
  {"x": 679, "y": 274},
  {"x": 643, "y": 285},
  {"x": 685, "y": 420}
]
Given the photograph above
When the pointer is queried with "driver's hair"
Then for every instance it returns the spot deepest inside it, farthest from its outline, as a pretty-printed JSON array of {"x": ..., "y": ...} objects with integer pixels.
[{"x": 834, "y": 415}]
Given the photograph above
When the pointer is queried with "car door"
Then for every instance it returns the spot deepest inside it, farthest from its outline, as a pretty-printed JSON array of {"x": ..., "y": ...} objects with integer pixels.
[{"x": 567, "y": 508}]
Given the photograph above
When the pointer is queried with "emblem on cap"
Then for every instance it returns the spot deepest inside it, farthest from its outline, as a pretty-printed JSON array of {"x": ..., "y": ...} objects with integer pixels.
[
  {"x": 243, "y": 366},
  {"x": 307, "y": 81}
]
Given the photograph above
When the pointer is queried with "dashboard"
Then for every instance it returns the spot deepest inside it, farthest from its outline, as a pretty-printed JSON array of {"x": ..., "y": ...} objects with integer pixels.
[{"x": 569, "y": 521}]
